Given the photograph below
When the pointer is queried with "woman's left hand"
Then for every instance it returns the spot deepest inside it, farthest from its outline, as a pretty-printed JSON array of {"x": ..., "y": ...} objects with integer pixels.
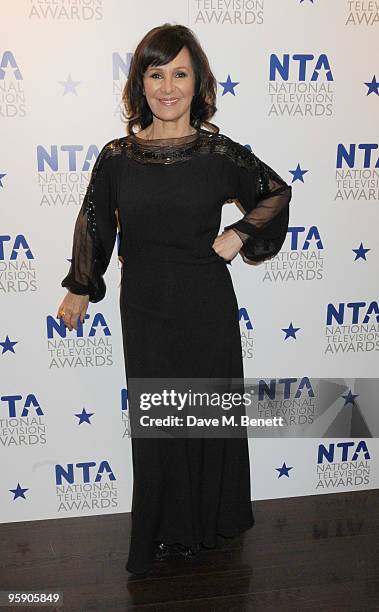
[{"x": 227, "y": 245}]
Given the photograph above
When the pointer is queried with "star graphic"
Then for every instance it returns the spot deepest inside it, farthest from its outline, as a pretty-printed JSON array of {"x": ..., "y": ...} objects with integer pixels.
[
  {"x": 290, "y": 331},
  {"x": 228, "y": 85},
  {"x": 70, "y": 86},
  {"x": 1, "y": 177},
  {"x": 18, "y": 492},
  {"x": 373, "y": 86},
  {"x": 360, "y": 253},
  {"x": 298, "y": 174},
  {"x": 283, "y": 471},
  {"x": 349, "y": 398},
  {"x": 7, "y": 345},
  {"x": 84, "y": 417}
]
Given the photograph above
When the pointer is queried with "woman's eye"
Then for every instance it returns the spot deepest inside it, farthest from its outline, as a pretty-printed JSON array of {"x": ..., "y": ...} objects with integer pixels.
[{"x": 154, "y": 74}]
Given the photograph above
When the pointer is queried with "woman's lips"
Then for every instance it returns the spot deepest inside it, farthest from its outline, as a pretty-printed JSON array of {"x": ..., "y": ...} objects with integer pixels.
[{"x": 169, "y": 102}]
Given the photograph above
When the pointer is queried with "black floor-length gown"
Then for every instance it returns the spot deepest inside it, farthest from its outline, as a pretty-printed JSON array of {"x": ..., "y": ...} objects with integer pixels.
[{"x": 179, "y": 312}]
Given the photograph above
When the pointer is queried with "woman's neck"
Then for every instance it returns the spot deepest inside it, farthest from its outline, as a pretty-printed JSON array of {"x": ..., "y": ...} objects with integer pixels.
[{"x": 154, "y": 133}]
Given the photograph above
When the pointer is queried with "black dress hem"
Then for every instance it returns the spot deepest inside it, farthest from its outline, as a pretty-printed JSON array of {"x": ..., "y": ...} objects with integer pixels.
[{"x": 200, "y": 545}]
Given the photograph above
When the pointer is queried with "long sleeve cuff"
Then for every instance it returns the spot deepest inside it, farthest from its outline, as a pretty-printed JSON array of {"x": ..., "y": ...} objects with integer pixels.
[
  {"x": 260, "y": 244},
  {"x": 95, "y": 293}
]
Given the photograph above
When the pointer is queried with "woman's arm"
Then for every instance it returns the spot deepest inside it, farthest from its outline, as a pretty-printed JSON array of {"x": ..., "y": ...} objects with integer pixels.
[
  {"x": 264, "y": 197},
  {"x": 93, "y": 242}
]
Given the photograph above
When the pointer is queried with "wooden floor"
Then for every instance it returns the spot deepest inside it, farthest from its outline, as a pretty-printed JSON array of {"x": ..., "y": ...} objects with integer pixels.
[{"x": 305, "y": 553}]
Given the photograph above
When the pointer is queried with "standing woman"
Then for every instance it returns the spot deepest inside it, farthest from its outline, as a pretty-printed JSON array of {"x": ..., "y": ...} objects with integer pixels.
[{"x": 167, "y": 184}]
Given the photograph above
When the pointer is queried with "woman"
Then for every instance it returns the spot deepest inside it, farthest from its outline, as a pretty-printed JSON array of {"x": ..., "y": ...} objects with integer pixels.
[{"x": 179, "y": 312}]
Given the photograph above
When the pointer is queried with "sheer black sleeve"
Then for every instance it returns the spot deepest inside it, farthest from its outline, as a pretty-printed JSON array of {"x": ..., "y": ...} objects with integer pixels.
[
  {"x": 95, "y": 231},
  {"x": 265, "y": 198}
]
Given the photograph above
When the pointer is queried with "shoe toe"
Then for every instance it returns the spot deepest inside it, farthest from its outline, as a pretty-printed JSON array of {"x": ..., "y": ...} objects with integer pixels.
[
  {"x": 161, "y": 551},
  {"x": 184, "y": 551}
]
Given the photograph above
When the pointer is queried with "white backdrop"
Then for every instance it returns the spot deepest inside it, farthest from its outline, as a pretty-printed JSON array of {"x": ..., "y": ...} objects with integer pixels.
[{"x": 305, "y": 99}]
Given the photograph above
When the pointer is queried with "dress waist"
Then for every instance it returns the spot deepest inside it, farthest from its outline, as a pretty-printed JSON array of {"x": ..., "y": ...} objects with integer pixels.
[
  {"x": 159, "y": 256},
  {"x": 167, "y": 288}
]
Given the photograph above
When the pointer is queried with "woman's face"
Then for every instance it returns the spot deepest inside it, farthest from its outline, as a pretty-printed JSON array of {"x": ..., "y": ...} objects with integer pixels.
[{"x": 169, "y": 88}]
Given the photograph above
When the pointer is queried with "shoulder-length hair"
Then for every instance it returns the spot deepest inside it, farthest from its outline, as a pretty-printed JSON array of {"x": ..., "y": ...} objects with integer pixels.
[{"x": 158, "y": 47}]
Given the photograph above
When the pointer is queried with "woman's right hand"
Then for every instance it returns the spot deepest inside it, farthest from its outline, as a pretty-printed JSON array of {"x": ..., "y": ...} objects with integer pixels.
[{"x": 74, "y": 308}]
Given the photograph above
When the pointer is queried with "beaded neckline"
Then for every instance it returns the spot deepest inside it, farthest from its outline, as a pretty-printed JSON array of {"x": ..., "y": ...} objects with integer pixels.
[
  {"x": 165, "y": 150},
  {"x": 163, "y": 142},
  {"x": 171, "y": 150}
]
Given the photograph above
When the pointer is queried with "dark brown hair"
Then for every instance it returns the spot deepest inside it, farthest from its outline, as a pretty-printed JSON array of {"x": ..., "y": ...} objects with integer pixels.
[{"x": 158, "y": 47}]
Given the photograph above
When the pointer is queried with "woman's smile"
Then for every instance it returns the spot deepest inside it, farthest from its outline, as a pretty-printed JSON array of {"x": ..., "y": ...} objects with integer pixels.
[{"x": 169, "y": 101}]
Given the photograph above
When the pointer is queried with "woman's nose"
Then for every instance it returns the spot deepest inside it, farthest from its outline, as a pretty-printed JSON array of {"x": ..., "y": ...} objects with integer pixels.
[{"x": 167, "y": 85}]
